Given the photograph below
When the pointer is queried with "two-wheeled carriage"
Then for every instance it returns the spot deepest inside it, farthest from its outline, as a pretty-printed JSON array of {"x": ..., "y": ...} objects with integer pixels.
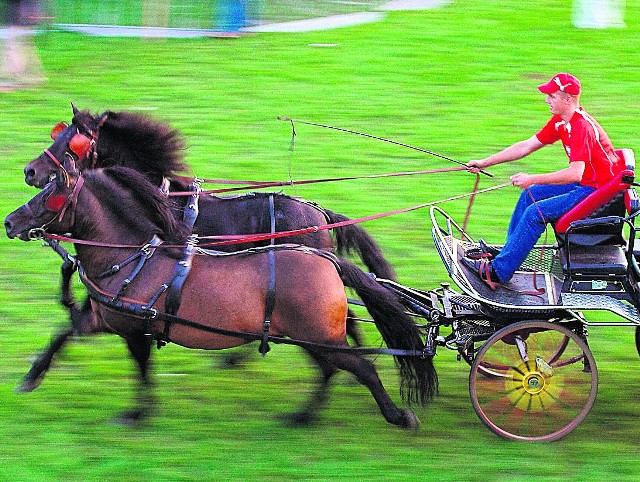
[{"x": 533, "y": 376}]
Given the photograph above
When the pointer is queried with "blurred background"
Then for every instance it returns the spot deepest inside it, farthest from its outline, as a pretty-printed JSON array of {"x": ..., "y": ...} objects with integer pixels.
[{"x": 455, "y": 77}]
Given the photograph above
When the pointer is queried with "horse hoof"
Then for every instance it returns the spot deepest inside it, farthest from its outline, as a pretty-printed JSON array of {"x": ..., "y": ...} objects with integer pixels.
[
  {"x": 410, "y": 420},
  {"x": 27, "y": 386},
  {"x": 130, "y": 418},
  {"x": 299, "y": 419}
]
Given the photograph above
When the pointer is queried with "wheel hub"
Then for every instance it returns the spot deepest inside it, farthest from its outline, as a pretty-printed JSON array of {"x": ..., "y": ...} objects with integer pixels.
[
  {"x": 531, "y": 387},
  {"x": 533, "y": 383}
]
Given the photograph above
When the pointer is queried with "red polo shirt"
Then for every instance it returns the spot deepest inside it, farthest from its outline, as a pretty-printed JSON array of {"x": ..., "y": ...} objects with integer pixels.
[{"x": 584, "y": 140}]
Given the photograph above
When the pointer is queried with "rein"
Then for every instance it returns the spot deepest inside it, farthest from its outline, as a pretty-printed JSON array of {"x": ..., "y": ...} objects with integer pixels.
[
  {"x": 269, "y": 184},
  {"x": 241, "y": 239}
]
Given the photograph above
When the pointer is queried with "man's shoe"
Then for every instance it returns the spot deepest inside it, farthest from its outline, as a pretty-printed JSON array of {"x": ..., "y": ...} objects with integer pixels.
[
  {"x": 483, "y": 251},
  {"x": 482, "y": 269}
]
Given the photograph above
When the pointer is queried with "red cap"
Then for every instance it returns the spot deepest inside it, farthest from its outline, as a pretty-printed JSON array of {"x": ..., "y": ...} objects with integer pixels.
[{"x": 563, "y": 82}]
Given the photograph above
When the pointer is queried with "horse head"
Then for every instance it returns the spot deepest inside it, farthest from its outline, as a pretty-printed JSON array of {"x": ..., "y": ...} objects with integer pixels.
[
  {"x": 109, "y": 139},
  {"x": 86, "y": 205},
  {"x": 53, "y": 207},
  {"x": 73, "y": 150}
]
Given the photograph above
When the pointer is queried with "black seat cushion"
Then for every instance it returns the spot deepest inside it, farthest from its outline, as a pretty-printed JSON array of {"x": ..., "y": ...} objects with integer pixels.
[{"x": 603, "y": 260}]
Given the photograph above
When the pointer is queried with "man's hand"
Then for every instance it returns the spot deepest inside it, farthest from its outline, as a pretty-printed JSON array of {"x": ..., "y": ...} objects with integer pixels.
[
  {"x": 476, "y": 165},
  {"x": 522, "y": 180}
]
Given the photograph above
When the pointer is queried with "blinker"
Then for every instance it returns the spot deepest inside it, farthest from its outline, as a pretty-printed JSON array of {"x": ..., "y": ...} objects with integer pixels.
[
  {"x": 55, "y": 202},
  {"x": 79, "y": 145},
  {"x": 57, "y": 129}
]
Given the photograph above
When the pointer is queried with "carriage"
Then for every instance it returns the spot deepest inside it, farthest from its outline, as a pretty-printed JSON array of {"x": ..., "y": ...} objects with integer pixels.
[{"x": 533, "y": 376}]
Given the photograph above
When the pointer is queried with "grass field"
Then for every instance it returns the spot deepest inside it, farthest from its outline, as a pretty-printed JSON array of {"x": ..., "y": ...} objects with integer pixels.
[{"x": 459, "y": 81}]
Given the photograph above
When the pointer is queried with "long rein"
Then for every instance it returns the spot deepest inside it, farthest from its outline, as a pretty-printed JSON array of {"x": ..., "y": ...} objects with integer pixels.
[{"x": 241, "y": 239}]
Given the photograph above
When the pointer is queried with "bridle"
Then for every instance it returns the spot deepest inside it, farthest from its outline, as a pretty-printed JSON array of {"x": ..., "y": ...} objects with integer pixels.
[
  {"x": 58, "y": 204},
  {"x": 80, "y": 148}
]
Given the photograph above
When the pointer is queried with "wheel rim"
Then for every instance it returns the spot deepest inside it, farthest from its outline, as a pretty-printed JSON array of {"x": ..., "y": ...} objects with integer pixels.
[{"x": 543, "y": 384}]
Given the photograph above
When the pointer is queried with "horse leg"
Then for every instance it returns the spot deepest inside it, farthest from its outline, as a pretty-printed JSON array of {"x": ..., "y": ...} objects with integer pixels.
[
  {"x": 353, "y": 330},
  {"x": 364, "y": 370},
  {"x": 320, "y": 395},
  {"x": 40, "y": 366},
  {"x": 140, "y": 349},
  {"x": 66, "y": 298},
  {"x": 42, "y": 363},
  {"x": 81, "y": 319}
]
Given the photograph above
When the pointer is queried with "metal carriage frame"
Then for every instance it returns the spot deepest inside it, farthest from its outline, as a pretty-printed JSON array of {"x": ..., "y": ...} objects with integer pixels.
[{"x": 533, "y": 376}]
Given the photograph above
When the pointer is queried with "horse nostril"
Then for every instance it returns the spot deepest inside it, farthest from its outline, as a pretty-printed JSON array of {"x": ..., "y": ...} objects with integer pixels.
[
  {"x": 29, "y": 174},
  {"x": 7, "y": 225}
]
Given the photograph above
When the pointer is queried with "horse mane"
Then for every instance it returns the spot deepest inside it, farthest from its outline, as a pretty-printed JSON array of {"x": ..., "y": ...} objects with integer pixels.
[
  {"x": 137, "y": 141},
  {"x": 136, "y": 201}
]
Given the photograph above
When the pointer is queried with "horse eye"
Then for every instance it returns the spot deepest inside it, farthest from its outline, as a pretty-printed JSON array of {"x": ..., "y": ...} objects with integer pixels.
[{"x": 57, "y": 129}]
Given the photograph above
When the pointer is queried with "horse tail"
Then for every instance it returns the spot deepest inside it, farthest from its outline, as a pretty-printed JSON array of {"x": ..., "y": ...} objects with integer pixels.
[
  {"x": 418, "y": 377},
  {"x": 354, "y": 238}
]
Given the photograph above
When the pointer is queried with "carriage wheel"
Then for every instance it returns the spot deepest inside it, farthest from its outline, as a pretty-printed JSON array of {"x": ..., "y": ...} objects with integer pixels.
[{"x": 544, "y": 381}]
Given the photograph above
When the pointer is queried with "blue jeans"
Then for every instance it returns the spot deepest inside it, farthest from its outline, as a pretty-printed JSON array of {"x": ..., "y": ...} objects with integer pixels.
[{"x": 528, "y": 221}]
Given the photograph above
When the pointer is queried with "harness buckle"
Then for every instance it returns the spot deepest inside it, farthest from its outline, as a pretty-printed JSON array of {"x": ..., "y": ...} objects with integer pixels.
[
  {"x": 36, "y": 234},
  {"x": 146, "y": 250}
]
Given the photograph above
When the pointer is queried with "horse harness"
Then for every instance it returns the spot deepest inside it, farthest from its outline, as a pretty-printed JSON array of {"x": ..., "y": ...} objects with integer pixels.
[
  {"x": 173, "y": 287},
  {"x": 147, "y": 312}
]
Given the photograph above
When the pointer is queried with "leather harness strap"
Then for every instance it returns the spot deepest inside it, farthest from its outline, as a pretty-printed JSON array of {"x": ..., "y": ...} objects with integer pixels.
[
  {"x": 174, "y": 287},
  {"x": 191, "y": 210},
  {"x": 271, "y": 288},
  {"x": 183, "y": 268},
  {"x": 142, "y": 256}
]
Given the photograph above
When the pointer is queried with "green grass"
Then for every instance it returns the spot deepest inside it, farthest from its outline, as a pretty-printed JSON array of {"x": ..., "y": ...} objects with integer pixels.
[{"x": 459, "y": 81}]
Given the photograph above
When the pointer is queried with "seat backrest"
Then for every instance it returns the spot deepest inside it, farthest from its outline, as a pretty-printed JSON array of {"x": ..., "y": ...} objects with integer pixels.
[
  {"x": 607, "y": 200},
  {"x": 627, "y": 156}
]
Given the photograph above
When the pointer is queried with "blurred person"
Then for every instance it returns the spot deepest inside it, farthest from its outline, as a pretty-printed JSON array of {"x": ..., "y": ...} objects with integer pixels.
[
  {"x": 232, "y": 16},
  {"x": 156, "y": 13},
  {"x": 598, "y": 13},
  {"x": 254, "y": 12},
  {"x": 546, "y": 197},
  {"x": 21, "y": 66}
]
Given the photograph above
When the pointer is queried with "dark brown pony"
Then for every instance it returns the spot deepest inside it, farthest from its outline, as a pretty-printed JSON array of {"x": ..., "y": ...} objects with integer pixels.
[
  {"x": 221, "y": 292},
  {"x": 156, "y": 150}
]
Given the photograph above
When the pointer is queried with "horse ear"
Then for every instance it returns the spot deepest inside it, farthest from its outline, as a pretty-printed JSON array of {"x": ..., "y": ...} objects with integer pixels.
[
  {"x": 103, "y": 118},
  {"x": 74, "y": 108},
  {"x": 79, "y": 145}
]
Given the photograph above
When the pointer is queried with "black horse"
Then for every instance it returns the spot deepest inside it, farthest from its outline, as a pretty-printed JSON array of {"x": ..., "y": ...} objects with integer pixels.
[
  {"x": 155, "y": 149},
  {"x": 214, "y": 301}
]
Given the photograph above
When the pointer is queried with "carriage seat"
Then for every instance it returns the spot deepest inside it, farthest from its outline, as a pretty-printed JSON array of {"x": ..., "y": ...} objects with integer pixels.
[
  {"x": 615, "y": 198},
  {"x": 591, "y": 243}
]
